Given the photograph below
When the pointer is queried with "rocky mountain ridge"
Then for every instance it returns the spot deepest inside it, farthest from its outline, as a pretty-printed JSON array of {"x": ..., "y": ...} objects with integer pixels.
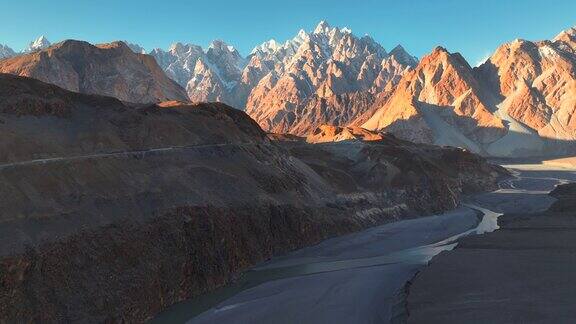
[
  {"x": 107, "y": 69},
  {"x": 345, "y": 75},
  {"x": 39, "y": 44},
  {"x": 518, "y": 103},
  {"x": 6, "y": 52},
  {"x": 329, "y": 76}
]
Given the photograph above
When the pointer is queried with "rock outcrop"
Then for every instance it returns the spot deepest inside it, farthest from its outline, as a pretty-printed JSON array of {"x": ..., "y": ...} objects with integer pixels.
[
  {"x": 328, "y": 133},
  {"x": 107, "y": 69},
  {"x": 114, "y": 211}
]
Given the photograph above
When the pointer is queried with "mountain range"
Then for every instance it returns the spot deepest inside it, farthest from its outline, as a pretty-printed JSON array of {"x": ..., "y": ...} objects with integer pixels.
[
  {"x": 519, "y": 102},
  {"x": 38, "y": 44},
  {"x": 327, "y": 76}
]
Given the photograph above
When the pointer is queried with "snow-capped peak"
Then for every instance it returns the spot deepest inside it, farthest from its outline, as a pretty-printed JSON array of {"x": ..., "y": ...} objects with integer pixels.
[
  {"x": 176, "y": 47},
  {"x": 220, "y": 45},
  {"x": 302, "y": 34},
  {"x": 346, "y": 30},
  {"x": 135, "y": 48},
  {"x": 322, "y": 27},
  {"x": 267, "y": 47},
  {"x": 39, "y": 44},
  {"x": 6, "y": 52}
]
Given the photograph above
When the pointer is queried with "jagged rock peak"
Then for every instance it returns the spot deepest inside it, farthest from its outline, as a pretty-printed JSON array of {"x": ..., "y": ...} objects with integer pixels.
[
  {"x": 322, "y": 27},
  {"x": 180, "y": 48},
  {"x": 6, "y": 52},
  {"x": 39, "y": 44},
  {"x": 570, "y": 31},
  {"x": 176, "y": 47},
  {"x": 135, "y": 47},
  {"x": 221, "y": 45},
  {"x": 268, "y": 46},
  {"x": 403, "y": 56},
  {"x": 566, "y": 40},
  {"x": 439, "y": 49}
]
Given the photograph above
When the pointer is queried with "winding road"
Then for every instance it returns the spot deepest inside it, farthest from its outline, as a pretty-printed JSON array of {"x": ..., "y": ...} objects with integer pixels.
[{"x": 127, "y": 153}]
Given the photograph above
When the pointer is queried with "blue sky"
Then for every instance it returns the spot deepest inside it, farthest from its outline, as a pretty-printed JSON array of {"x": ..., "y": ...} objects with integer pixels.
[{"x": 474, "y": 28}]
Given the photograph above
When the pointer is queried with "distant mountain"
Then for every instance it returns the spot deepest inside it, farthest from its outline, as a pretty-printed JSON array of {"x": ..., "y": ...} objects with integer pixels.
[
  {"x": 6, "y": 52},
  {"x": 36, "y": 45},
  {"x": 107, "y": 69},
  {"x": 519, "y": 102},
  {"x": 135, "y": 48},
  {"x": 39, "y": 44},
  {"x": 437, "y": 101},
  {"x": 535, "y": 83},
  {"x": 208, "y": 75},
  {"x": 328, "y": 76}
]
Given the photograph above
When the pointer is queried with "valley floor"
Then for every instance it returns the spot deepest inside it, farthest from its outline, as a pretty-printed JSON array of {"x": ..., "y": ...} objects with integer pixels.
[
  {"x": 361, "y": 277},
  {"x": 522, "y": 273}
]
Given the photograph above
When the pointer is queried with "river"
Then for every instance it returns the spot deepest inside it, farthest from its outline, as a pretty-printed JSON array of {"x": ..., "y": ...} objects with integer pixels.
[{"x": 361, "y": 277}]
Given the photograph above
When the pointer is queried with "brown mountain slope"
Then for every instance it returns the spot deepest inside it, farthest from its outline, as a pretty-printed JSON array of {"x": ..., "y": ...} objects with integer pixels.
[
  {"x": 520, "y": 102},
  {"x": 113, "y": 212},
  {"x": 330, "y": 77},
  {"x": 440, "y": 102},
  {"x": 536, "y": 83},
  {"x": 107, "y": 69}
]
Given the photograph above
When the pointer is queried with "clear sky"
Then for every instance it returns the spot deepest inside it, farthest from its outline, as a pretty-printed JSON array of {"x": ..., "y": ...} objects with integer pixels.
[{"x": 474, "y": 28}]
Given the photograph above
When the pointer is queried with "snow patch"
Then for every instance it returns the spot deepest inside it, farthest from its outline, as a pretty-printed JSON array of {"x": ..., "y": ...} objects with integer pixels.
[{"x": 547, "y": 51}]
